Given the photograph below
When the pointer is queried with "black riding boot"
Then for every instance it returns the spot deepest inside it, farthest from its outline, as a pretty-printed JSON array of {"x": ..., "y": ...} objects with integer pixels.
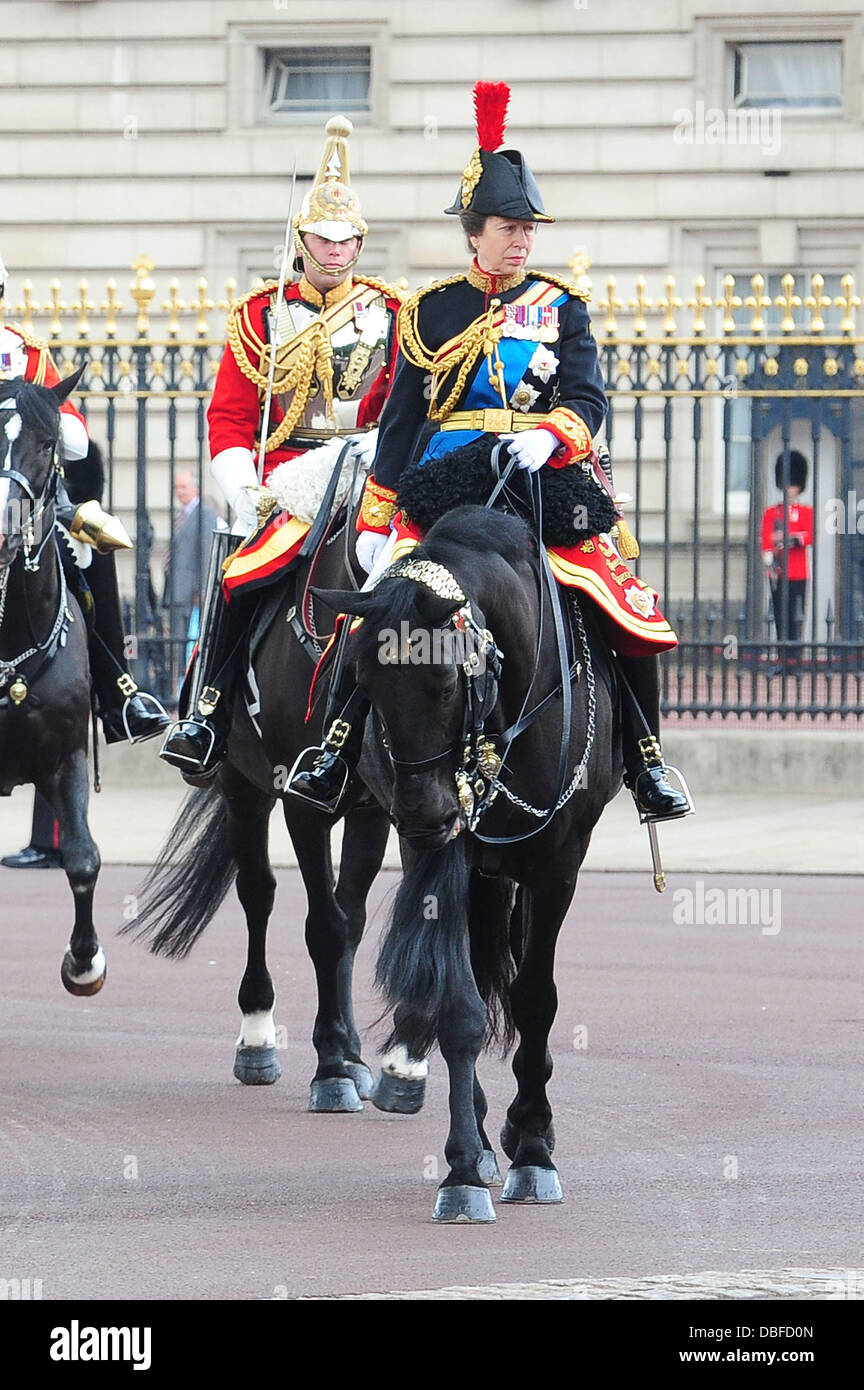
[
  {"x": 43, "y": 850},
  {"x": 197, "y": 743},
  {"x": 320, "y": 775},
  {"x": 126, "y": 711},
  {"x": 645, "y": 774}
]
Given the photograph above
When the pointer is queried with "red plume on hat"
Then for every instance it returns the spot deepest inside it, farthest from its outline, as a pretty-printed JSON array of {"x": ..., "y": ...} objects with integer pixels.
[{"x": 491, "y": 100}]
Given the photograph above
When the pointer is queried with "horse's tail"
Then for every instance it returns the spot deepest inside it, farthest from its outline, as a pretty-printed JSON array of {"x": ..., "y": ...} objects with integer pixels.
[
  {"x": 189, "y": 880},
  {"x": 429, "y": 952}
]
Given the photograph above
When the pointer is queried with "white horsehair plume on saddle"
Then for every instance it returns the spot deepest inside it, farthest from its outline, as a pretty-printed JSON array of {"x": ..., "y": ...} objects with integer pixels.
[{"x": 299, "y": 484}]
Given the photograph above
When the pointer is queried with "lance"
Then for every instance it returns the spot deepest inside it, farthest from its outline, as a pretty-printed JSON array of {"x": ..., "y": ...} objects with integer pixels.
[{"x": 274, "y": 325}]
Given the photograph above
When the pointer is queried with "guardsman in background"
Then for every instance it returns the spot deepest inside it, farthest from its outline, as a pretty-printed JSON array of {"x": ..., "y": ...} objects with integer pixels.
[
  {"x": 335, "y": 347},
  {"x": 787, "y": 531}
]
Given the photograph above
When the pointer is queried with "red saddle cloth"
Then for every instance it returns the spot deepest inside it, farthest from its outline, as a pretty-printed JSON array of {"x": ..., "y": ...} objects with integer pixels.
[{"x": 633, "y": 622}]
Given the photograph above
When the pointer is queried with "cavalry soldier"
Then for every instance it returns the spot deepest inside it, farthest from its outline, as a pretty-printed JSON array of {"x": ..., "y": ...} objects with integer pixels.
[
  {"x": 334, "y": 340},
  {"x": 507, "y": 351},
  {"x": 92, "y": 535}
]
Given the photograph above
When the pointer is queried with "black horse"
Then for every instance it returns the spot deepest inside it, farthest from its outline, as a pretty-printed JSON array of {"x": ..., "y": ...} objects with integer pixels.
[
  {"x": 221, "y": 834},
  {"x": 44, "y": 669},
  {"x": 496, "y": 771}
]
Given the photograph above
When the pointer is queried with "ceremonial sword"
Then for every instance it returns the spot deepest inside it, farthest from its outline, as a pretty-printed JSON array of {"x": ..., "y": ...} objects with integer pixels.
[{"x": 274, "y": 326}]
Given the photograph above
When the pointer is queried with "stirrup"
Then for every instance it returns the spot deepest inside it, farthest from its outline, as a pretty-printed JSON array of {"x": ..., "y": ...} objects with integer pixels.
[
  {"x": 157, "y": 708},
  {"x": 645, "y": 818},
  {"x": 198, "y": 766},
  {"x": 306, "y": 763}
]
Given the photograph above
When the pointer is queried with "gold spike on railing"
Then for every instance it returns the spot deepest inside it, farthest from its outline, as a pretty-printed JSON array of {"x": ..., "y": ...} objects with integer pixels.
[
  {"x": 111, "y": 308},
  {"x": 698, "y": 303},
  {"x": 230, "y": 295},
  {"x": 609, "y": 305},
  {"x": 579, "y": 264},
  {"x": 142, "y": 290},
  {"x": 200, "y": 307},
  {"x": 729, "y": 303},
  {"x": 57, "y": 307},
  {"x": 816, "y": 301},
  {"x": 175, "y": 306},
  {"x": 848, "y": 301},
  {"x": 28, "y": 306},
  {"x": 757, "y": 301},
  {"x": 668, "y": 305},
  {"x": 640, "y": 304},
  {"x": 788, "y": 301},
  {"x": 82, "y": 307}
]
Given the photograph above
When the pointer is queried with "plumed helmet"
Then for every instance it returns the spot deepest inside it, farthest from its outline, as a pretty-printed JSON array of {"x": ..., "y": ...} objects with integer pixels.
[
  {"x": 331, "y": 209},
  {"x": 797, "y": 470},
  {"x": 497, "y": 182}
]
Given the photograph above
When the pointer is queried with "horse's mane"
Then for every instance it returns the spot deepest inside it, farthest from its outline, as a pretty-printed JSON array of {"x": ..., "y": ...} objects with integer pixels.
[
  {"x": 471, "y": 529},
  {"x": 36, "y": 405}
]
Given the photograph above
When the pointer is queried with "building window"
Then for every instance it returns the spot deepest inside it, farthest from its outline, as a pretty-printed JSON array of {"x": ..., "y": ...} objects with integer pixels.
[
  {"x": 303, "y": 81},
  {"x": 792, "y": 75}
]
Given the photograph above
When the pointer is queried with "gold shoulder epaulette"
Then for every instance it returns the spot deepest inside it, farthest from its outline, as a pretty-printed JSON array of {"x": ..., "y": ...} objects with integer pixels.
[
  {"x": 247, "y": 346},
  {"x": 29, "y": 338},
  {"x": 407, "y": 329},
  {"x": 568, "y": 285},
  {"x": 383, "y": 286}
]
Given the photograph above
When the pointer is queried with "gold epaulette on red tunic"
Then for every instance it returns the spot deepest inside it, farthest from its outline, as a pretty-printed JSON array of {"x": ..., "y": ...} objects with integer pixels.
[{"x": 30, "y": 340}]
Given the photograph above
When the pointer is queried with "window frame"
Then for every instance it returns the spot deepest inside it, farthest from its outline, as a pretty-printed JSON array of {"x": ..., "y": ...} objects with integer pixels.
[
  {"x": 247, "y": 48},
  {"x": 786, "y": 106}
]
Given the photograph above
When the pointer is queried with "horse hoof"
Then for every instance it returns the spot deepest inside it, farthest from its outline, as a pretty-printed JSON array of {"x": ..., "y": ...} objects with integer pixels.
[
  {"x": 84, "y": 982},
  {"x": 488, "y": 1169},
  {"x": 463, "y": 1204},
  {"x": 362, "y": 1078},
  {"x": 530, "y": 1184},
  {"x": 398, "y": 1095},
  {"x": 257, "y": 1066},
  {"x": 334, "y": 1095}
]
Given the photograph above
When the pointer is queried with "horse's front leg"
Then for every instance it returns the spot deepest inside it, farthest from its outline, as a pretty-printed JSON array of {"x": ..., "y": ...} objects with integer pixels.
[
  {"x": 464, "y": 1195},
  {"x": 333, "y": 1089},
  {"x": 84, "y": 966},
  {"x": 363, "y": 845},
  {"x": 528, "y": 1136},
  {"x": 255, "y": 1060}
]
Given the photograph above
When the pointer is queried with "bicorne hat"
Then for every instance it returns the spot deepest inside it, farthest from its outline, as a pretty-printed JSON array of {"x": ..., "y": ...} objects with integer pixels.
[{"x": 496, "y": 182}]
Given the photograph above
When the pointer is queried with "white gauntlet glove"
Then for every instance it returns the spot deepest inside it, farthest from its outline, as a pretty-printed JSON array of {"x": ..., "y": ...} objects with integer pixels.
[
  {"x": 531, "y": 448},
  {"x": 368, "y": 548},
  {"x": 234, "y": 470},
  {"x": 363, "y": 446}
]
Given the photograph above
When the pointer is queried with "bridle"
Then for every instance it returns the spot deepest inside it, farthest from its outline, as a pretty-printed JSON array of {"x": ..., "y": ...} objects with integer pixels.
[
  {"x": 10, "y": 671},
  {"x": 479, "y": 775}
]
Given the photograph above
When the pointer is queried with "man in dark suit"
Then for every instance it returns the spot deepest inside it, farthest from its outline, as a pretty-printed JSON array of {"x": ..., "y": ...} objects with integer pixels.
[{"x": 185, "y": 562}]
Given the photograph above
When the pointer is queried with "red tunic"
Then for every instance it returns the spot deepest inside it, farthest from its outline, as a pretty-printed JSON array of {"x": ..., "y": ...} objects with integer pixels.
[
  {"x": 234, "y": 414},
  {"x": 800, "y": 525}
]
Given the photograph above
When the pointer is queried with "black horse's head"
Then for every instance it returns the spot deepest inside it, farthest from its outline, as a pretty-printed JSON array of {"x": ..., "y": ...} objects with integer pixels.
[
  {"x": 29, "y": 438},
  {"x": 426, "y": 668}
]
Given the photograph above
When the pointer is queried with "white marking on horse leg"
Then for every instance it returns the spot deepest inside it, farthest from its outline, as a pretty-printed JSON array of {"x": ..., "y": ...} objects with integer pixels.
[
  {"x": 95, "y": 971},
  {"x": 258, "y": 1030},
  {"x": 398, "y": 1063}
]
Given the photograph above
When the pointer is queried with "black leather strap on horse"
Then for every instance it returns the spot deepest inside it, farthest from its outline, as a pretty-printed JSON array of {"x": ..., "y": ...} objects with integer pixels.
[
  {"x": 314, "y": 540},
  {"x": 547, "y": 580}
]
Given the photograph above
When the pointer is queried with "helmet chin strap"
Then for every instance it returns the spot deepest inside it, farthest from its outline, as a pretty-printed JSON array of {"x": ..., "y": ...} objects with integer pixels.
[{"x": 303, "y": 250}]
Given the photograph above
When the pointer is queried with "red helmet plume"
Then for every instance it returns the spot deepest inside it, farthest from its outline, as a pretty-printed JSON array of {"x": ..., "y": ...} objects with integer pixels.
[{"x": 491, "y": 100}]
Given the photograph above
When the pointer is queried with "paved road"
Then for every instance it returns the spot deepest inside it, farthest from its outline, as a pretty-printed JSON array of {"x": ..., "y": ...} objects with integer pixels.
[{"x": 707, "y": 1098}]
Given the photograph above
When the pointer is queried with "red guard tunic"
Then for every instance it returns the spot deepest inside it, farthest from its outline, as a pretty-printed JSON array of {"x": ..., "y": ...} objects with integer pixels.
[
  {"x": 25, "y": 357},
  {"x": 800, "y": 525},
  {"x": 335, "y": 355},
  {"x": 334, "y": 361}
]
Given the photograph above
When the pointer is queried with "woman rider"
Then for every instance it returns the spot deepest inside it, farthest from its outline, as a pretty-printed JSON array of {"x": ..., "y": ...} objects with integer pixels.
[{"x": 510, "y": 352}]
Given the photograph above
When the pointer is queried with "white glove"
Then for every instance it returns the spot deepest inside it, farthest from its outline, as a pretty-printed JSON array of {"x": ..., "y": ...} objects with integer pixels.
[
  {"x": 369, "y": 546},
  {"x": 363, "y": 446},
  {"x": 73, "y": 437},
  {"x": 531, "y": 448},
  {"x": 234, "y": 470}
]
